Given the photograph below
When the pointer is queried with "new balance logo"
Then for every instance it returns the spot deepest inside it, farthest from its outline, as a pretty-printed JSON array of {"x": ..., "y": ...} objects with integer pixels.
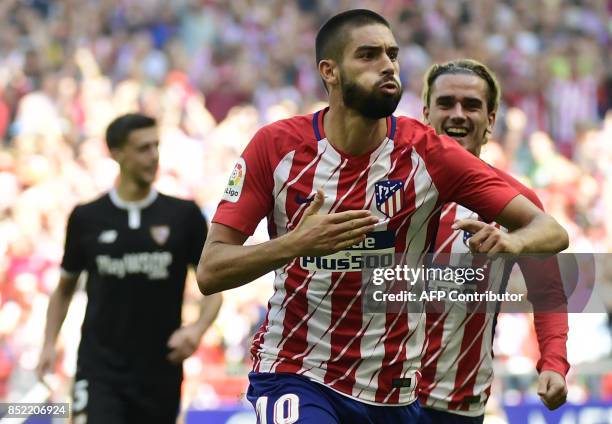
[
  {"x": 107, "y": 237},
  {"x": 300, "y": 200}
]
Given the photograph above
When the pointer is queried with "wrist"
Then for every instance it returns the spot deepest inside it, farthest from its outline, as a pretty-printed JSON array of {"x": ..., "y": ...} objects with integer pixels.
[
  {"x": 200, "y": 329},
  {"x": 48, "y": 345},
  {"x": 519, "y": 244},
  {"x": 288, "y": 247}
]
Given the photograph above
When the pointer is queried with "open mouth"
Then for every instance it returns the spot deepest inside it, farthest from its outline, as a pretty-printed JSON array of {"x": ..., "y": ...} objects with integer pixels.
[
  {"x": 456, "y": 132},
  {"x": 390, "y": 84}
]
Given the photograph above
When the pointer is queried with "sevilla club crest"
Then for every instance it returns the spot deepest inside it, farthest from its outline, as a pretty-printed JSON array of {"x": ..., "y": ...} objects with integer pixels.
[{"x": 160, "y": 234}]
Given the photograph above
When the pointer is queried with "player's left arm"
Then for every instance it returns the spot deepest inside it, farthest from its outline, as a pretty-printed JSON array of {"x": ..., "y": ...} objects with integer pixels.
[
  {"x": 185, "y": 340},
  {"x": 546, "y": 294},
  {"x": 529, "y": 231},
  {"x": 463, "y": 178}
]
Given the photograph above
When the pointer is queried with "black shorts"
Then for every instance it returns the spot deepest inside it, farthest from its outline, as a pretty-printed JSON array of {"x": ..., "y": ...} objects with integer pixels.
[{"x": 101, "y": 402}]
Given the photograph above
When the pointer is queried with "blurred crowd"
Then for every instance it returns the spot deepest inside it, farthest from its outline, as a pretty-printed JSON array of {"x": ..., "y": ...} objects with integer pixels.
[{"x": 212, "y": 72}]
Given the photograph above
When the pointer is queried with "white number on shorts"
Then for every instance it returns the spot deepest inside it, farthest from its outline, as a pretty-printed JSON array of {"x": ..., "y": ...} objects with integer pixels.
[
  {"x": 81, "y": 396},
  {"x": 260, "y": 409},
  {"x": 293, "y": 413},
  {"x": 292, "y": 403}
]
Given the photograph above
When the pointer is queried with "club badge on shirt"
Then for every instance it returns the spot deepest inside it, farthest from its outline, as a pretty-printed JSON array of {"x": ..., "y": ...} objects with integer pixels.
[
  {"x": 160, "y": 234},
  {"x": 466, "y": 237},
  {"x": 389, "y": 196}
]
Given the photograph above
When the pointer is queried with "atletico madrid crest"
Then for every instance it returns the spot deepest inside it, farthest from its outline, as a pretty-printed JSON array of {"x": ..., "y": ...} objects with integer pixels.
[
  {"x": 466, "y": 236},
  {"x": 389, "y": 197}
]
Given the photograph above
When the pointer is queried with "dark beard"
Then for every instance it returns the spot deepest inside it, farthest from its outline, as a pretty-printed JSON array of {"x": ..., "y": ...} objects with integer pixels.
[{"x": 370, "y": 104}]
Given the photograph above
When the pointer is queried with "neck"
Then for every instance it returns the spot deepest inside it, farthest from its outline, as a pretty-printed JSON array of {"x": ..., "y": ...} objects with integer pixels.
[
  {"x": 351, "y": 133},
  {"x": 130, "y": 191}
]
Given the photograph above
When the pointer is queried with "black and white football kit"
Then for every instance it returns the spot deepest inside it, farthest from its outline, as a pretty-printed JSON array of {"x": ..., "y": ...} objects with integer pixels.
[{"x": 136, "y": 256}]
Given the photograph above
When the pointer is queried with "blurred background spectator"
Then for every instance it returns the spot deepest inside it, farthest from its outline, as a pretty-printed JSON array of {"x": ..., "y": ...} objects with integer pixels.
[{"x": 213, "y": 72}]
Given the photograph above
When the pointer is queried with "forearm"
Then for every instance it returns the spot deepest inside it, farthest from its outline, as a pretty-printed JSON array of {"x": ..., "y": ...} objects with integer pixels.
[
  {"x": 209, "y": 309},
  {"x": 542, "y": 235},
  {"x": 551, "y": 331},
  {"x": 56, "y": 313},
  {"x": 218, "y": 270}
]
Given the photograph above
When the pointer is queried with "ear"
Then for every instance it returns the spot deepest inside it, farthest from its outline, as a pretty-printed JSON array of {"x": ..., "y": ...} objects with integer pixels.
[
  {"x": 426, "y": 114},
  {"x": 116, "y": 154},
  {"x": 328, "y": 70},
  {"x": 491, "y": 119}
]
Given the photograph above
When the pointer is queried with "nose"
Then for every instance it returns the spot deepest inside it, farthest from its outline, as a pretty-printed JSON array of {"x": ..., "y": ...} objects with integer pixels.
[
  {"x": 154, "y": 153},
  {"x": 457, "y": 113},
  {"x": 388, "y": 65}
]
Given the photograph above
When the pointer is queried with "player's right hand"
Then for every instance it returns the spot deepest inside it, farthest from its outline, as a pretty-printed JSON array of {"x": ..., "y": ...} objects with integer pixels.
[
  {"x": 320, "y": 235},
  {"x": 46, "y": 362}
]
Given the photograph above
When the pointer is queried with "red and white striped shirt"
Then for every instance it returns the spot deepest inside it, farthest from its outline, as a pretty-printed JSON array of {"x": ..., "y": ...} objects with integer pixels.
[
  {"x": 315, "y": 325},
  {"x": 458, "y": 363}
]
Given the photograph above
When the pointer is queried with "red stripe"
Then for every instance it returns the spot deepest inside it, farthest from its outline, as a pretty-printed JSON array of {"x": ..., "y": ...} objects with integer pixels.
[
  {"x": 435, "y": 332},
  {"x": 445, "y": 232},
  {"x": 295, "y": 303},
  {"x": 397, "y": 326},
  {"x": 341, "y": 297},
  {"x": 471, "y": 360}
]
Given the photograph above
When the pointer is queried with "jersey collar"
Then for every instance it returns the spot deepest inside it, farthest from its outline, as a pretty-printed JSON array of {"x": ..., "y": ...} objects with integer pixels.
[
  {"x": 317, "y": 125},
  {"x": 140, "y": 204}
]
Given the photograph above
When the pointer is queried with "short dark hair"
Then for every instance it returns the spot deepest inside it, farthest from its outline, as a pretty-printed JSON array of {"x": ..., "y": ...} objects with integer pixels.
[
  {"x": 331, "y": 39},
  {"x": 119, "y": 130},
  {"x": 463, "y": 66}
]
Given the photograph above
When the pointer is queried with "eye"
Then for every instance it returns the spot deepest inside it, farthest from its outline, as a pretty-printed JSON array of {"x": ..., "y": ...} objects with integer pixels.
[
  {"x": 393, "y": 55},
  {"x": 473, "y": 106},
  {"x": 367, "y": 55}
]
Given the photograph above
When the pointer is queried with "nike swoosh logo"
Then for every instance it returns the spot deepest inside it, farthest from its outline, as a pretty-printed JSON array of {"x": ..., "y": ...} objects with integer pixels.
[{"x": 300, "y": 200}]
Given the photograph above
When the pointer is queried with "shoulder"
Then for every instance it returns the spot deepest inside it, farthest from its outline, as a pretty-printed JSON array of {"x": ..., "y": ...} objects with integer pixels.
[
  {"x": 177, "y": 203},
  {"x": 518, "y": 186},
  {"x": 187, "y": 210},
  {"x": 277, "y": 140},
  {"x": 431, "y": 147},
  {"x": 94, "y": 207},
  {"x": 299, "y": 123},
  {"x": 414, "y": 132},
  {"x": 287, "y": 132}
]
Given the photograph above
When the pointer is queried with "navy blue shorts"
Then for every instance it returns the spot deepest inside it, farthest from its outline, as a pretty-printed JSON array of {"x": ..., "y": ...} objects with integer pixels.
[
  {"x": 434, "y": 416},
  {"x": 289, "y": 398}
]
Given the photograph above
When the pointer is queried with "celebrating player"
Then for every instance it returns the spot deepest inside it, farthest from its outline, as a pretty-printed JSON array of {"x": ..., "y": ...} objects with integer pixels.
[
  {"x": 136, "y": 245},
  {"x": 348, "y": 180},
  {"x": 461, "y": 99}
]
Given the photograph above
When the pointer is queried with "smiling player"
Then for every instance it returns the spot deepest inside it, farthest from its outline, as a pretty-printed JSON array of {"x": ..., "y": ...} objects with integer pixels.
[
  {"x": 461, "y": 99},
  {"x": 348, "y": 174}
]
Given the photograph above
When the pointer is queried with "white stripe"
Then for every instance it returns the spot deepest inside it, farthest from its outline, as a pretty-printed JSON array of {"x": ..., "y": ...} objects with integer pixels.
[
  {"x": 318, "y": 343},
  {"x": 281, "y": 173},
  {"x": 398, "y": 200},
  {"x": 375, "y": 157},
  {"x": 371, "y": 349},
  {"x": 274, "y": 330},
  {"x": 426, "y": 196},
  {"x": 449, "y": 359}
]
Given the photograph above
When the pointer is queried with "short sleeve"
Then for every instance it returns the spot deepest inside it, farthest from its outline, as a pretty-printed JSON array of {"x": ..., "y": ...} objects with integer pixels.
[
  {"x": 247, "y": 198},
  {"x": 198, "y": 231},
  {"x": 463, "y": 178},
  {"x": 521, "y": 188},
  {"x": 74, "y": 260}
]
